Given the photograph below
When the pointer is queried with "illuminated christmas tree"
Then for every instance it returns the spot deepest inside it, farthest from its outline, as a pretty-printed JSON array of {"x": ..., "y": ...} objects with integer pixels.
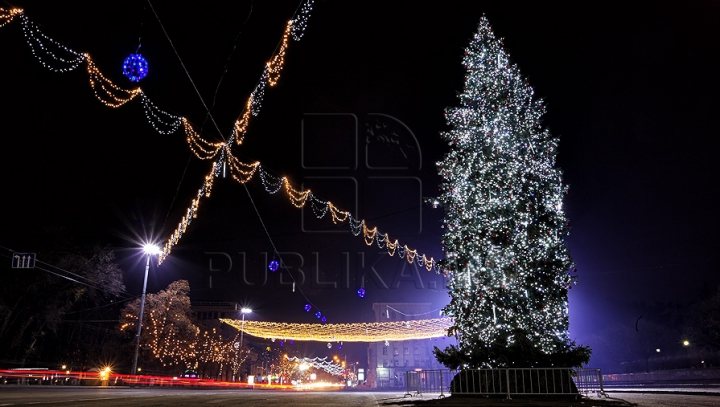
[{"x": 504, "y": 223}]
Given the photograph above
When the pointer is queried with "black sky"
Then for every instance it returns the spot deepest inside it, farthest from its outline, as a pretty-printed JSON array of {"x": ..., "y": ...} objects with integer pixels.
[{"x": 631, "y": 91}]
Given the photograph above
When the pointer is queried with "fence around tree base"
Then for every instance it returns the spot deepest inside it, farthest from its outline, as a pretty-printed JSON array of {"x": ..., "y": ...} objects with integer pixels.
[{"x": 505, "y": 382}]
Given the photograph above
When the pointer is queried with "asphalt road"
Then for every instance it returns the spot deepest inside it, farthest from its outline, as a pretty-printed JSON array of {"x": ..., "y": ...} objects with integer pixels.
[{"x": 86, "y": 396}]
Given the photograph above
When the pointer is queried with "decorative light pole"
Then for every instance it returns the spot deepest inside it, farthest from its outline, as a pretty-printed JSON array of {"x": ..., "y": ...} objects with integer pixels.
[
  {"x": 243, "y": 311},
  {"x": 149, "y": 249}
]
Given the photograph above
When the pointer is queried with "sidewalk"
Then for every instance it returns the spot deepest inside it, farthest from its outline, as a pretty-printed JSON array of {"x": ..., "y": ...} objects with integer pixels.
[
  {"x": 517, "y": 401},
  {"x": 715, "y": 391},
  {"x": 614, "y": 398}
]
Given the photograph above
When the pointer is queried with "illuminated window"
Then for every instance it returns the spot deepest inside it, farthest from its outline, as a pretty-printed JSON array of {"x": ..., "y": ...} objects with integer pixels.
[
  {"x": 406, "y": 351},
  {"x": 395, "y": 352}
]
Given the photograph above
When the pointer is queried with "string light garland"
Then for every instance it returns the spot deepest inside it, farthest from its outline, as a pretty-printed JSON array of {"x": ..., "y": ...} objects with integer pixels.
[
  {"x": 162, "y": 121},
  {"x": 107, "y": 92},
  {"x": 299, "y": 23},
  {"x": 243, "y": 173},
  {"x": 7, "y": 16},
  {"x": 352, "y": 332},
  {"x": 203, "y": 149},
  {"x": 59, "y": 58},
  {"x": 51, "y": 54},
  {"x": 271, "y": 73},
  {"x": 190, "y": 213},
  {"x": 331, "y": 367}
]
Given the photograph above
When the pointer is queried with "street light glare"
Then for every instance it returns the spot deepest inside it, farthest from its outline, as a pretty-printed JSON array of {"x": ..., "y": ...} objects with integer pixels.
[
  {"x": 150, "y": 248},
  {"x": 245, "y": 310}
]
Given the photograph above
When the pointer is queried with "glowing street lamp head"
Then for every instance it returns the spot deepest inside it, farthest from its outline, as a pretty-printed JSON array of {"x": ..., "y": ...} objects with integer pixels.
[
  {"x": 245, "y": 310},
  {"x": 686, "y": 343},
  {"x": 151, "y": 249}
]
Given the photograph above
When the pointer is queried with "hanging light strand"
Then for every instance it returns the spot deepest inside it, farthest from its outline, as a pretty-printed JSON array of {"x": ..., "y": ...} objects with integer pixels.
[
  {"x": 162, "y": 121},
  {"x": 6, "y": 16},
  {"x": 190, "y": 213},
  {"x": 295, "y": 28},
  {"x": 105, "y": 91},
  {"x": 51, "y": 54}
]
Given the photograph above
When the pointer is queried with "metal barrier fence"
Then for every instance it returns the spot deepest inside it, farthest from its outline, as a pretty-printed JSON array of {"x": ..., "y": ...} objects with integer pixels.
[
  {"x": 507, "y": 382},
  {"x": 589, "y": 381}
]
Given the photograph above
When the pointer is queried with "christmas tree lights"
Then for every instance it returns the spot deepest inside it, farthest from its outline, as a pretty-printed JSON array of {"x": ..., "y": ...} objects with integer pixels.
[{"x": 504, "y": 223}]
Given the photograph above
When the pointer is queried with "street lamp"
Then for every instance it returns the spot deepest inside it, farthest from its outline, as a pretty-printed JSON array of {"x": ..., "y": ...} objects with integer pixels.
[
  {"x": 149, "y": 249},
  {"x": 243, "y": 311}
]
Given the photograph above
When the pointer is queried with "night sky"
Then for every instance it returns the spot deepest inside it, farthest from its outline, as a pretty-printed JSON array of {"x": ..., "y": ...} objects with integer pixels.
[{"x": 631, "y": 91}]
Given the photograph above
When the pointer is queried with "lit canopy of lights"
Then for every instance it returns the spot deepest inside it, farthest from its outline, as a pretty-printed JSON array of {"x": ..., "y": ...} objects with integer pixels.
[{"x": 354, "y": 332}]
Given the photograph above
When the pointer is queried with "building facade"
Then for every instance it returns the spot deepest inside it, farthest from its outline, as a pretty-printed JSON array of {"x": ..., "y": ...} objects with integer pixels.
[{"x": 388, "y": 361}]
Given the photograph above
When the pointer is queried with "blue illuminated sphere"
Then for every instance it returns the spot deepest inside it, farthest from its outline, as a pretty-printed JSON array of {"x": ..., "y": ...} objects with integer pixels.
[
  {"x": 323, "y": 319},
  {"x": 361, "y": 292},
  {"x": 273, "y": 266},
  {"x": 308, "y": 307},
  {"x": 318, "y": 314},
  {"x": 135, "y": 67}
]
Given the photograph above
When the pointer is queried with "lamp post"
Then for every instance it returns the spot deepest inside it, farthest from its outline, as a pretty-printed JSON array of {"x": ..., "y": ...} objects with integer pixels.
[
  {"x": 149, "y": 250},
  {"x": 243, "y": 311}
]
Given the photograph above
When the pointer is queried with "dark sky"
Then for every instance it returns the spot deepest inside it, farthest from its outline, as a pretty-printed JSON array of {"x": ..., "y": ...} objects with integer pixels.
[{"x": 631, "y": 91}]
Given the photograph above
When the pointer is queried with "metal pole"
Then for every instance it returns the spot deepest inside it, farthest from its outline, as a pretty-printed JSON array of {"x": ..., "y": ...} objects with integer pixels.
[
  {"x": 242, "y": 331},
  {"x": 142, "y": 308}
]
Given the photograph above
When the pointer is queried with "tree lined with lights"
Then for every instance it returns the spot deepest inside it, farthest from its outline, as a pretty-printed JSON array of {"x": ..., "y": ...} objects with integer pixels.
[
  {"x": 504, "y": 223},
  {"x": 171, "y": 337}
]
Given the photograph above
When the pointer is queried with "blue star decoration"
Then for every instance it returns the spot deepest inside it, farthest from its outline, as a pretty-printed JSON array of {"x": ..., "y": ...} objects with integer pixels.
[{"x": 135, "y": 67}]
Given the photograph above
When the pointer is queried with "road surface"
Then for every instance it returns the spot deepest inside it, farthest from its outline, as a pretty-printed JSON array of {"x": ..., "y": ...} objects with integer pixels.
[{"x": 91, "y": 396}]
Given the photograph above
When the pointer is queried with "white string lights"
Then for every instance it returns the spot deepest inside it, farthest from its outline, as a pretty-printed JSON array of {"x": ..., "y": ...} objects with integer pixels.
[
  {"x": 51, "y": 54},
  {"x": 162, "y": 121},
  {"x": 333, "y": 368}
]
